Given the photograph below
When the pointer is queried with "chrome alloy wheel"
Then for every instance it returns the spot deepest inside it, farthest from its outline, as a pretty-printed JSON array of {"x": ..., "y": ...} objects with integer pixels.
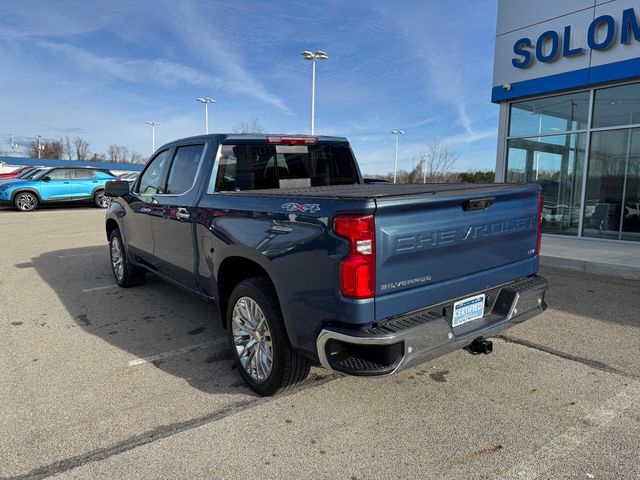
[
  {"x": 101, "y": 200},
  {"x": 252, "y": 339},
  {"x": 26, "y": 201},
  {"x": 117, "y": 260}
]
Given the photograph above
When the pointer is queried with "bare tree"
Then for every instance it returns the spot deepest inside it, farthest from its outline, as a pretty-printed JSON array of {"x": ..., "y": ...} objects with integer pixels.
[
  {"x": 118, "y": 153},
  {"x": 252, "y": 126},
  {"x": 98, "y": 157},
  {"x": 81, "y": 147},
  {"x": 53, "y": 149},
  {"x": 67, "y": 149},
  {"x": 136, "y": 157},
  {"x": 437, "y": 162},
  {"x": 32, "y": 151}
]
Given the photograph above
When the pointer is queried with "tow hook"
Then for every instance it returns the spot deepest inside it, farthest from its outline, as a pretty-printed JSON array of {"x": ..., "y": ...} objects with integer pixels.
[{"x": 480, "y": 345}]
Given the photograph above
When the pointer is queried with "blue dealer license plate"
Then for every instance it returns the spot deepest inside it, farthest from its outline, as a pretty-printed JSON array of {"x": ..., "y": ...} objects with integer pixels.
[{"x": 468, "y": 310}]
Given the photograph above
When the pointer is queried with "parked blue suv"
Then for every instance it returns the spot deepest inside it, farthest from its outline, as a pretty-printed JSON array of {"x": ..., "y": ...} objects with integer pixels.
[{"x": 57, "y": 185}]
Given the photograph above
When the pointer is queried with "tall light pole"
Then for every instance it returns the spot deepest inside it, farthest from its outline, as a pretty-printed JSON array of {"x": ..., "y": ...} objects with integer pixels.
[
  {"x": 424, "y": 168},
  {"x": 39, "y": 146},
  {"x": 396, "y": 133},
  {"x": 312, "y": 57},
  {"x": 206, "y": 101},
  {"x": 13, "y": 144},
  {"x": 153, "y": 124}
]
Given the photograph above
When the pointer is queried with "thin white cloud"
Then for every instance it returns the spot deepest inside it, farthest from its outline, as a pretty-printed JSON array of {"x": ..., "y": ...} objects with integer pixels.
[
  {"x": 136, "y": 71},
  {"x": 453, "y": 65},
  {"x": 466, "y": 137},
  {"x": 202, "y": 39}
]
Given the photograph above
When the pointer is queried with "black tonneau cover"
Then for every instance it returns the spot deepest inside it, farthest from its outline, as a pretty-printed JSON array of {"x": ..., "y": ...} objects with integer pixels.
[{"x": 381, "y": 190}]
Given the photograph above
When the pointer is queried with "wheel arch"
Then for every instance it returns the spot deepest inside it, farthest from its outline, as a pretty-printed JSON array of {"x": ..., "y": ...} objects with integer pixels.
[
  {"x": 18, "y": 191},
  {"x": 110, "y": 225},
  {"x": 232, "y": 271}
]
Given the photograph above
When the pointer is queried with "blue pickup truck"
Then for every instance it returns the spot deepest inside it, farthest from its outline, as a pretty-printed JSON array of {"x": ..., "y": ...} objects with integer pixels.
[{"x": 311, "y": 264}]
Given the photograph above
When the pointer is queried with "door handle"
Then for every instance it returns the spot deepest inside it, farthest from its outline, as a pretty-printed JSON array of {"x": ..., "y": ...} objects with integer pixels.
[
  {"x": 182, "y": 214},
  {"x": 145, "y": 210}
]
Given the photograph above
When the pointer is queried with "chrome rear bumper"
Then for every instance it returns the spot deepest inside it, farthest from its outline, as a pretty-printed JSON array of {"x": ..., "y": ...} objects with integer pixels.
[{"x": 403, "y": 342}]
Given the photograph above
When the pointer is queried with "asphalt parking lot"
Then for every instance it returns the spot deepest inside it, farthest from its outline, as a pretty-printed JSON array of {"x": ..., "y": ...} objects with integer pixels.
[{"x": 103, "y": 382}]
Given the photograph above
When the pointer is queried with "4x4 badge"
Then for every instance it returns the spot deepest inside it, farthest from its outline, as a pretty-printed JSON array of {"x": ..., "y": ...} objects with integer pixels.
[{"x": 301, "y": 207}]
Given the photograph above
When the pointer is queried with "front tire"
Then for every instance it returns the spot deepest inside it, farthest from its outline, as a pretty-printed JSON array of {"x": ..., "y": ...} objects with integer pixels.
[
  {"x": 261, "y": 348},
  {"x": 124, "y": 272},
  {"x": 100, "y": 200},
  {"x": 26, "y": 201}
]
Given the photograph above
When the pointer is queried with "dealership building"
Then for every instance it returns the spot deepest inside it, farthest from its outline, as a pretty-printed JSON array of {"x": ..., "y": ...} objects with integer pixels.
[{"x": 567, "y": 79}]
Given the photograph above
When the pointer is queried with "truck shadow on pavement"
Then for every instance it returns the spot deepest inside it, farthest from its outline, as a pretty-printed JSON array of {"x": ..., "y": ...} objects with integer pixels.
[{"x": 156, "y": 323}]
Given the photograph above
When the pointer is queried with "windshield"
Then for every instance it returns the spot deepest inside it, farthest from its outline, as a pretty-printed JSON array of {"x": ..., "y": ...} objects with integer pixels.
[
  {"x": 34, "y": 172},
  {"x": 26, "y": 173},
  {"x": 262, "y": 166}
]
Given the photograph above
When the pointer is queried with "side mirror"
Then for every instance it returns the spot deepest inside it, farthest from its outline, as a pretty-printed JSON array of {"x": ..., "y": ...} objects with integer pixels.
[
  {"x": 116, "y": 188},
  {"x": 46, "y": 178}
]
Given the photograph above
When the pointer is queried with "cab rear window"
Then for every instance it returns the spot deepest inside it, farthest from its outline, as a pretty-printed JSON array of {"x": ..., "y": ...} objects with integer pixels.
[{"x": 259, "y": 167}]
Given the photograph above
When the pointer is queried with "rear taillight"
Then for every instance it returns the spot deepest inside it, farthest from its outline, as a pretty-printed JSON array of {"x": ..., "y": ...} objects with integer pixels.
[
  {"x": 539, "y": 241},
  {"x": 358, "y": 268}
]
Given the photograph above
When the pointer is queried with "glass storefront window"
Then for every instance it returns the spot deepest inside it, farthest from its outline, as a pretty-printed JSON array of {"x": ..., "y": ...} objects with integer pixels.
[
  {"x": 563, "y": 113},
  {"x": 555, "y": 162},
  {"x": 612, "y": 208},
  {"x": 617, "y": 106}
]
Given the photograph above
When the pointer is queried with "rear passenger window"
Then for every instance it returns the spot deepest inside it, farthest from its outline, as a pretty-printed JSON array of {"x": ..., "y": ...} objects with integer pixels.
[
  {"x": 264, "y": 166},
  {"x": 150, "y": 182},
  {"x": 184, "y": 168},
  {"x": 83, "y": 173}
]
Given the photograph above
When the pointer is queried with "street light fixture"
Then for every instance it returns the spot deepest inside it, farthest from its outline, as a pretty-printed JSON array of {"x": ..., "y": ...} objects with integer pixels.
[
  {"x": 312, "y": 57},
  {"x": 40, "y": 146},
  {"x": 13, "y": 144},
  {"x": 206, "y": 101},
  {"x": 396, "y": 133},
  {"x": 153, "y": 124}
]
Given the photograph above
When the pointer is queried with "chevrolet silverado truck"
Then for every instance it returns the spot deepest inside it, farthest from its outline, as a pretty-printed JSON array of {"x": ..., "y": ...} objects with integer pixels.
[{"x": 309, "y": 264}]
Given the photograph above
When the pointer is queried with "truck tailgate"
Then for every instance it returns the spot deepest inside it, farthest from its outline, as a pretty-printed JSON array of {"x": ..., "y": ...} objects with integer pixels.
[{"x": 431, "y": 249}]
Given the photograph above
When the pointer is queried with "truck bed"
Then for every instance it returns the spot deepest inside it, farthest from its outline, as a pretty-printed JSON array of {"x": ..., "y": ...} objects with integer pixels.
[{"x": 377, "y": 191}]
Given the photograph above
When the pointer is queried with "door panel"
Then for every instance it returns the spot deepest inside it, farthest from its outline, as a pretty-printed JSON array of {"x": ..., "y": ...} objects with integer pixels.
[
  {"x": 174, "y": 229},
  {"x": 58, "y": 188},
  {"x": 143, "y": 206},
  {"x": 83, "y": 182}
]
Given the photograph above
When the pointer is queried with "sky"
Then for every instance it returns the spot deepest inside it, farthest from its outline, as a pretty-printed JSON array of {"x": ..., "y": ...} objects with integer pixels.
[{"x": 101, "y": 69}]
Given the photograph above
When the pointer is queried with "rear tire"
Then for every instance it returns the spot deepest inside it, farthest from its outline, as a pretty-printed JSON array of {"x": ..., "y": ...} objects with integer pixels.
[
  {"x": 100, "y": 200},
  {"x": 124, "y": 272},
  {"x": 26, "y": 201},
  {"x": 254, "y": 321}
]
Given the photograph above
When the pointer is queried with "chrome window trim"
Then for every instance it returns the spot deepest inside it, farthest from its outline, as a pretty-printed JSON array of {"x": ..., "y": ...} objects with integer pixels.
[
  {"x": 211, "y": 187},
  {"x": 176, "y": 147}
]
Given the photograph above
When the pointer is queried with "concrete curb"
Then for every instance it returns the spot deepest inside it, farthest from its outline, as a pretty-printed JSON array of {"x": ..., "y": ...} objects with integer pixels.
[{"x": 598, "y": 268}]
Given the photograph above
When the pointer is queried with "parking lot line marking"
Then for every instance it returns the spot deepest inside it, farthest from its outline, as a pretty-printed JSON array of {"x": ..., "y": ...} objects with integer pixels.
[
  {"x": 562, "y": 445},
  {"x": 173, "y": 353},
  {"x": 98, "y": 288}
]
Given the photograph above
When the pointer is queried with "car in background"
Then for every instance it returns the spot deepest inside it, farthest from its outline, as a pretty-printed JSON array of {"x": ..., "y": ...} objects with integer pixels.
[
  {"x": 14, "y": 173},
  {"x": 26, "y": 174},
  {"x": 129, "y": 177},
  {"x": 57, "y": 186}
]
